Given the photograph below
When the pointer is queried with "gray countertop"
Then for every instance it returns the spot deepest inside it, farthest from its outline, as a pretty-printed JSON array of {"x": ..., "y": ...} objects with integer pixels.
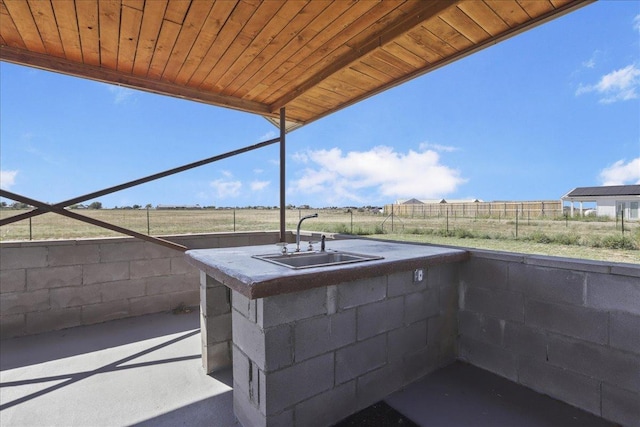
[{"x": 254, "y": 278}]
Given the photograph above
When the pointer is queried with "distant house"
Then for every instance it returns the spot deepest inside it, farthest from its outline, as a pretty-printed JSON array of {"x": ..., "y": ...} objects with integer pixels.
[
  {"x": 178, "y": 207},
  {"x": 610, "y": 200}
]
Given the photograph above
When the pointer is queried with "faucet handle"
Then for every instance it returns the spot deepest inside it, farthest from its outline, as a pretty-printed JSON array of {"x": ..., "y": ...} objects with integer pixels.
[
  {"x": 310, "y": 247},
  {"x": 283, "y": 246}
]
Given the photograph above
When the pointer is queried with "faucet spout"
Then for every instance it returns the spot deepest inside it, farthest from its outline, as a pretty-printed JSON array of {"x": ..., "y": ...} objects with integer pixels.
[{"x": 315, "y": 215}]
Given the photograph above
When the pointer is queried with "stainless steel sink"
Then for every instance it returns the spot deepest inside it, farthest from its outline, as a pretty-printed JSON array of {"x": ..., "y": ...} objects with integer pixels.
[{"x": 298, "y": 260}]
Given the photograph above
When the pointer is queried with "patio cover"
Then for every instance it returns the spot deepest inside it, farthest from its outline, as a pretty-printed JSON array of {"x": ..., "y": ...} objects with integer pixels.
[{"x": 312, "y": 57}]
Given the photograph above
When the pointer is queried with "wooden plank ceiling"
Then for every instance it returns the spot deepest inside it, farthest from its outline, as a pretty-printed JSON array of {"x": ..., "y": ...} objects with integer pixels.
[{"x": 311, "y": 56}]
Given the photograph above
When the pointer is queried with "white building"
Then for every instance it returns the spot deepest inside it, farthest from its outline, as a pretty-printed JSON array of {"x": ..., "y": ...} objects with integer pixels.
[{"x": 610, "y": 200}]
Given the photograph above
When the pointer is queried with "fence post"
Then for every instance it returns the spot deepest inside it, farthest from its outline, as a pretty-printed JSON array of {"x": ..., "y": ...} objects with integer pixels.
[
  {"x": 516, "y": 224},
  {"x": 234, "y": 220},
  {"x": 30, "y": 230},
  {"x": 351, "y": 212},
  {"x": 622, "y": 222},
  {"x": 148, "y": 224}
]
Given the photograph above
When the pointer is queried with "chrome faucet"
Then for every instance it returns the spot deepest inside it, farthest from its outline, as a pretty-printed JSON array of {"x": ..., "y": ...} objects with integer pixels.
[{"x": 315, "y": 215}]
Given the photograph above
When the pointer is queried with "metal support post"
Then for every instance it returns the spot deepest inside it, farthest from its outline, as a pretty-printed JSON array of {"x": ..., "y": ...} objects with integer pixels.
[{"x": 282, "y": 174}]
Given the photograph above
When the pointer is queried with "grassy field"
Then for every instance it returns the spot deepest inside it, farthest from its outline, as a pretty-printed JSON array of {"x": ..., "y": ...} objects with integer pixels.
[{"x": 590, "y": 239}]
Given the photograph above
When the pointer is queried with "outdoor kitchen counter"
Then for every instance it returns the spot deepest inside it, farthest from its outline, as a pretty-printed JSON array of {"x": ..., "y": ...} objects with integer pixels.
[{"x": 255, "y": 278}]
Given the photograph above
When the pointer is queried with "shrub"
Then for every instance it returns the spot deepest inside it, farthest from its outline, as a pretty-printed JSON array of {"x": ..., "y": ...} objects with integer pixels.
[
  {"x": 539, "y": 237},
  {"x": 618, "y": 242}
]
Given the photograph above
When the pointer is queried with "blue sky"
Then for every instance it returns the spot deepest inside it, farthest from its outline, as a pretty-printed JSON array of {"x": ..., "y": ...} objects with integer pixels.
[{"x": 530, "y": 118}]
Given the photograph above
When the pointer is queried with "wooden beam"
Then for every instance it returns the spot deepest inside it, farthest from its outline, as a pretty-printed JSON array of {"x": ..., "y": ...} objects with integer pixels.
[
  {"x": 24, "y": 57},
  {"x": 426, "y": 10}
]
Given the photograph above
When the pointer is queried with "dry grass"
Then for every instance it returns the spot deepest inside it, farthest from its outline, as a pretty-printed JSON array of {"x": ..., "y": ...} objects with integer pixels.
[{"x": 577, "y": 237}]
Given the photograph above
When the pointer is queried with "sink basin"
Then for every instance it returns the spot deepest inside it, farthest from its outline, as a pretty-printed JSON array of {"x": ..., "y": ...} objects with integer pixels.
[{"x": 298, "y": 260}]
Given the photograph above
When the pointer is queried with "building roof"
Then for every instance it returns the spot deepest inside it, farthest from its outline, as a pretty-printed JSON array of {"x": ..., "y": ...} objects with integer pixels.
[
  {"x": 311, "y": 57},
  {"x": 609, "y": 190}
]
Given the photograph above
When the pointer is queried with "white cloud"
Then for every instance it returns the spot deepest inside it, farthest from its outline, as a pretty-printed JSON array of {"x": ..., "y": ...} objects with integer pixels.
[
  {"x": 437, "y": 147},
  {"x": 7, "y": 179},
  {"x": 258, "y": 171},
  {"x": 636, "y": 23},
  {"x": 338, "y": 177},
  {"x": 259, "y": 185},
  {"x": 619, "y": 85},
  {"x": 121, "y": 94},
  {"x": 225, "y": 188},
  {"x": 621, "y": 173},
  {"x": 267, "y": 136},
  {"x": 227, "y": 173}
]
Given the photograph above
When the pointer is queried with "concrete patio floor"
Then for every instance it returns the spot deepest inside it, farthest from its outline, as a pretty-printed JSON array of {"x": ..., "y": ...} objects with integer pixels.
[{"x": 147, "y": 371}]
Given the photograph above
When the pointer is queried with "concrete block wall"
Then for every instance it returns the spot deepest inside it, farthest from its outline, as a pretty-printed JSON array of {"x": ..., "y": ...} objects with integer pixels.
[
  {"x": 312, "y": 358},
  {"x": 50, "y": 285},
  {"x": 566, "y": 328}
]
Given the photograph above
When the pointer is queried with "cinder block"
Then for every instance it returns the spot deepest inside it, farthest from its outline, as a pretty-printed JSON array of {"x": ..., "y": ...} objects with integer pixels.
[
  {"x": 402, "y": 283},
  {"x": 279, "y": 347},
  {"x": 379, "y": 317},
  {"x": 23, "y": 257},
  {"x": 325, "y": 333},
  {"x": 442, "y": 334},
  {"x": 218, "y": 328},
  {"x": 246, "y": 412},
  {"x": 216, "y": 357},
  {"x": 548, "y": 284},
  {"x": 612, "y": 292},
  {"x": 54, "y": 277},
  {"x": 75, "y": 296},
  {"x": 575, "y": 389},
  {"x": 12, "y": 325},
  {"x": 53, "y": 320},
  {"x": 448, "y": 274},
  {"x": 289, "y": 386},
  {"x": 480, "y": 327},
  {"x": 103, "y": 312},
  {"x": 73, "y": 255},
  {"x": 526, "y": 341},
  {"x": 490, "y": 357},
  {"x": 151, "y": 304},
  {"x": 421, "y": 305},
  {"x": 620, "y": 406},
  {"x": 359, "y": 358},
  {"x": 448, "y": 296},
  {"x": 244, "y": 305},
  {"x": 419, "y": 363},
  {"x": 149, "y": 268},
  {"x": 179, "y": 265},
  {"x": 604, "y": 363},
  {"x": 122, "y": 251},
  {"x": 359, "y": 292},
  {"x": 500, "y": 304},
  {"x": 114, "y": 291},
  {"x": 13, "y": 281},
  {"x": 291, "y": 307},
  {"x": 215, "y": 298},
  {"x": 484, "y": 273},
  {"x": 574, "y": 321},
  {"x": 378, "y": 384},
  {"x": 241, "y": 367},
  {"x": 407, "y": 340},
  {"x": 327, "y": 408},
  {"x": 249, "y": 338},
  {"x": 24, "y": 302},
  {"x": 169, "y": 284},
  {"x": 624, "y": 331},
  {"x": 105, "y": 272}
]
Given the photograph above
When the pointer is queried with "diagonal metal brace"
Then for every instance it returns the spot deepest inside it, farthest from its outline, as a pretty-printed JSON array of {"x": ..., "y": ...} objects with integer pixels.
[{"x": 45, "y": 207}]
